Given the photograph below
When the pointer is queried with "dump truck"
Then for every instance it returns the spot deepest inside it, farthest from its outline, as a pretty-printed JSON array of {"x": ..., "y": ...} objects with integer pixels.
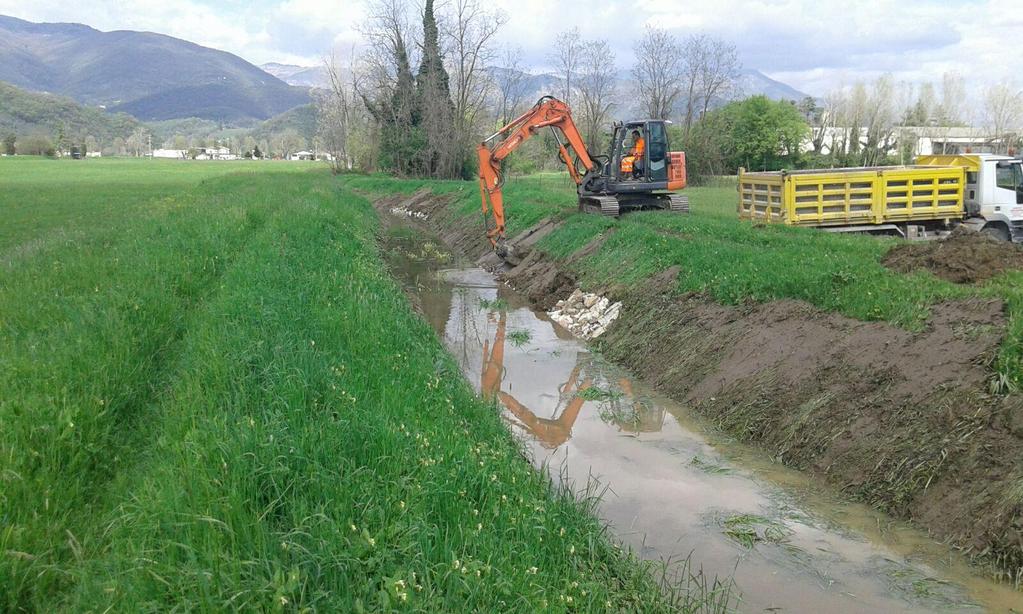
[{"x": 984, "y": 191}]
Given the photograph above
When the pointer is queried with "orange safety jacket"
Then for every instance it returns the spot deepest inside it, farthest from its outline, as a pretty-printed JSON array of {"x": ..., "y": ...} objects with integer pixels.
[{"x": 637, "y": 149}]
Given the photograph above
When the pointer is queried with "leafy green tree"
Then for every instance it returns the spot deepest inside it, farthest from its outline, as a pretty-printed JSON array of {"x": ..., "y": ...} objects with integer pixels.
[
  {"x": 36, "y": 145},
  {"x": 762, "y": 134},
  {"x": 8, "y": 144}
]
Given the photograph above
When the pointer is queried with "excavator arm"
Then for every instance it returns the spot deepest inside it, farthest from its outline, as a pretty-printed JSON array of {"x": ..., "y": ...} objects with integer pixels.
[{"x": 547, "y": 112}]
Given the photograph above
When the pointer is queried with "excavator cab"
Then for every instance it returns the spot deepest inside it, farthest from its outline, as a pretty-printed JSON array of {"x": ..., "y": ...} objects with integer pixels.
[{"x": 652, "y": 165}]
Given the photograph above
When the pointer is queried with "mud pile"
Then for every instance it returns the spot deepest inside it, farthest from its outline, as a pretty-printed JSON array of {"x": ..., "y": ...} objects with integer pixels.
[
  {"x": 586, "y": 314},
  {"x": 965, "y": 257},
  {"x": 900, "y": 420}
]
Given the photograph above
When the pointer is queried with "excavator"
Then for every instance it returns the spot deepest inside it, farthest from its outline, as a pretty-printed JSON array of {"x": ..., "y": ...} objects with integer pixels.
[{"x": 644, "y": 176}]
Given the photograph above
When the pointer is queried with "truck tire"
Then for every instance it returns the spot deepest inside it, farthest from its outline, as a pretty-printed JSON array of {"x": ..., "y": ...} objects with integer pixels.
[{"x": 997, "y": 231}]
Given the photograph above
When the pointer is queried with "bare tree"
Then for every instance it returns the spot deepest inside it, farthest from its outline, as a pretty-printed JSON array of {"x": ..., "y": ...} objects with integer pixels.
[
  {"x": 385, "y": 85},
  {"x": 512, "y": 82},
  {"x": 951, "y": 108},
  {"x": 470, "y": 34},
  {"x": 1003, "y": 115},
  {"x": 565, "y": 57},
  {"x": 334, "y": 111},
  {"x": 138, "y": 143},
  {"x": 718, "y": 71},
  {"x": 823, "y": 128},
  {"x": 880, "y": 119},
  {"x": 710, "y": 67},
  {"x": 596, "y": 83},
  {"x": 658, "y": 72}
]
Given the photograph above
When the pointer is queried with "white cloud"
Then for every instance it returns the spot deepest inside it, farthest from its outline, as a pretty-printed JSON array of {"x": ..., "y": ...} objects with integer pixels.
[{"x": 814, "y": 45}]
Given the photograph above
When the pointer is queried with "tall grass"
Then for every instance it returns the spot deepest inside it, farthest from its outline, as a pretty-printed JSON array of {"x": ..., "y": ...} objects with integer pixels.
[
  {"x": 734, "y": 261},
  {"x": 221, "y": 400}
]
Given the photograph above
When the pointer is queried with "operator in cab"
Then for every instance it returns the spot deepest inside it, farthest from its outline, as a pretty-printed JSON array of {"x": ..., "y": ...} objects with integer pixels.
[{"x": 632, "y": 163}]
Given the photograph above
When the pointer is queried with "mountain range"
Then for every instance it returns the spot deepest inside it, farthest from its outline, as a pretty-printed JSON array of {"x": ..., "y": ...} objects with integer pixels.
[
  {"x": 750, "y": 81},
  {"x": 300, "y": 76},
  {"x": 150, "y": 76},
  {"x": 158, "y": 78}
]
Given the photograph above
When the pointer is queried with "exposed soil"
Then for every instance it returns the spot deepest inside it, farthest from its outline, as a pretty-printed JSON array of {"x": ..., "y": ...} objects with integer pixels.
[
  {"x": 965, "y": 257},
  {"x": 897, "y": 419}
]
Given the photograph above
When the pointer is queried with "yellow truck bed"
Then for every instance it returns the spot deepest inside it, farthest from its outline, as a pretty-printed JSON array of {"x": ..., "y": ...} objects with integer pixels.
[{"x": 853, "y": 196}]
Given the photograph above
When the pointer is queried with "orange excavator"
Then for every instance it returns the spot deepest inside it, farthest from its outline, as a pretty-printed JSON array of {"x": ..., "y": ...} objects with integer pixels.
[{"x": 627, "y": 178}]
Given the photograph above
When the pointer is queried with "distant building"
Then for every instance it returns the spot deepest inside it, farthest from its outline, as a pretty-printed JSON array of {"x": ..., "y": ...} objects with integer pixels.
[
  {"x": 926, "y": 140},
  {"x": 215, "y": 153},
  {"x": 177, "y": 154},
  {"x": 951, "y": 140},
  {"x": 94, "y": 154},
  {"x": 302, "y": 155}
]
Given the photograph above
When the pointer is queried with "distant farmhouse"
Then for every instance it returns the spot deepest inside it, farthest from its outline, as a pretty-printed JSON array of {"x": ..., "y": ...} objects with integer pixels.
[
  {"x": 200, "y": 153},
  {"x": 175, "y": 154}
]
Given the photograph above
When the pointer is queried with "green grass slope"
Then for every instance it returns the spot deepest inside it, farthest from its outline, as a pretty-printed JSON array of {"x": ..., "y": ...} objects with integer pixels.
[{"x": 218, "y": 399}]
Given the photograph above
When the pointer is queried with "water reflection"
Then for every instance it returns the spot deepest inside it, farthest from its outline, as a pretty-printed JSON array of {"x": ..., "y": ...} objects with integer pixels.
[{"x": 675, "y": 489}]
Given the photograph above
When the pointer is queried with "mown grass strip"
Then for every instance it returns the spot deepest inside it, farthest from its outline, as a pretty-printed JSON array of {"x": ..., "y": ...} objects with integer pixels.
[{"x": 305, "y": 441}]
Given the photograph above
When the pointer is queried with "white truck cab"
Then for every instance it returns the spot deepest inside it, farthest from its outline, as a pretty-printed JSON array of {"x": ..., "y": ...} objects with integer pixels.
[{"x": 994, "y": 192}]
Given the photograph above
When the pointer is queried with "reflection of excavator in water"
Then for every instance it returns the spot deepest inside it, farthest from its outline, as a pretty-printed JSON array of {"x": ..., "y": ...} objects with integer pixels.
[
  {"x": 553, "y": 432},
  {"x": 638, "y": 171}
]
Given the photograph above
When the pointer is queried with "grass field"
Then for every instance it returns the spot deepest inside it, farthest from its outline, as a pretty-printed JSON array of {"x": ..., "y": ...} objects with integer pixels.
[
  {"x": 735, "y": 262},
  {"x": 215, "y": 398}
]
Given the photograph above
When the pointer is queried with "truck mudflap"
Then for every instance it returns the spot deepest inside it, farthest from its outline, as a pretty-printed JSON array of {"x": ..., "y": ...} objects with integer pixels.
[{"x": 1016, "y": 230}]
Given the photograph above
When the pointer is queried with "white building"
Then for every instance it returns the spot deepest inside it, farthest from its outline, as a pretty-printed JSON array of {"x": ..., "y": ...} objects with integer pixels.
[
  {"x": 176, "y": 154},
  {"x": 926, "y": 140},
  {"x": 215, "y": 153}
]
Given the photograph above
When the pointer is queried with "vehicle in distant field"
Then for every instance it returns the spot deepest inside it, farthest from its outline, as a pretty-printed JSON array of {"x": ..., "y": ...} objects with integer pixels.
[{"x": 984, "y": 191}]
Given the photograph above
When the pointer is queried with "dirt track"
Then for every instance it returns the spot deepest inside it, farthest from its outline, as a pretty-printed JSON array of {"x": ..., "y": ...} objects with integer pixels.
[{"x": 900, "y": 420}]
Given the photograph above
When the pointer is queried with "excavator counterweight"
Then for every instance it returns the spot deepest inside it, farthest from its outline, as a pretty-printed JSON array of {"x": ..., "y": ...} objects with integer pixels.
[{"x": 638, "y": 172}]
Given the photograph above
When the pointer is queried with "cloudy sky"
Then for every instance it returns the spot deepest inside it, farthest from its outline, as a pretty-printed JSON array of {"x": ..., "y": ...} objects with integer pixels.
[{"x": 813, "y": 45}]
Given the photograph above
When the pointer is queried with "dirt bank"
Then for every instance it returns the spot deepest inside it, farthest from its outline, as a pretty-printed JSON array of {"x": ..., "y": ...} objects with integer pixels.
[
  {"x": 965, "y": 257},
  {"x": 900, "y": 420}
]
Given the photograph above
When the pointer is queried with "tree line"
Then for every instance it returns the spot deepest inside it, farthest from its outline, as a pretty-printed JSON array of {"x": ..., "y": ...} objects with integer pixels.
[{"x": 431, "y": 85}]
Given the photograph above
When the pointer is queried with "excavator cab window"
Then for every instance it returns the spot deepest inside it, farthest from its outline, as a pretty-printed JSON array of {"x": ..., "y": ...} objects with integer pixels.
[
  {"x": 657, "y": 150},
  {"x": 633, "y": 147}
]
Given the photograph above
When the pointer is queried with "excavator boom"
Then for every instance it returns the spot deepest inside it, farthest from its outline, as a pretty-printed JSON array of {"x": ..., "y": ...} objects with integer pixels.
[{"x": 548, "y": 112}]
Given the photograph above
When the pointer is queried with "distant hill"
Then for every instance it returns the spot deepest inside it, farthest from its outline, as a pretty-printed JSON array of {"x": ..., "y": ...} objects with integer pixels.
[
  {"x": 753, "y": 82},
  {"x": 23, "y": 113},
  {"x": 302, "y": 76},
  {"x": 300, "y": 119},
  {"x": 150, "y": 76}
]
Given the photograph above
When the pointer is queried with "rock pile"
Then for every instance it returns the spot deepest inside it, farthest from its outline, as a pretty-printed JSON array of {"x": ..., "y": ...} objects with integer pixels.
[
  {"x": 405, "y": 210},
  {"x": 586, "y": 315}
]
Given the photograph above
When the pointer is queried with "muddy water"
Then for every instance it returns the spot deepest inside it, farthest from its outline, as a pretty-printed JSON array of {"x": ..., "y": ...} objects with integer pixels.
[{"x": 673, "y": 487}]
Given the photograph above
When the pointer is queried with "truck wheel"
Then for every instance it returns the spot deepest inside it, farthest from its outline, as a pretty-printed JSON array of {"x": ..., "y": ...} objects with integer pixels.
[{"x": 997, "y": 231}]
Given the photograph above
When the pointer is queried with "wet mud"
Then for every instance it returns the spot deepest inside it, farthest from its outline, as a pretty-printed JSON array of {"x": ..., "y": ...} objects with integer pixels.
[{"x": 965, "y": 257}]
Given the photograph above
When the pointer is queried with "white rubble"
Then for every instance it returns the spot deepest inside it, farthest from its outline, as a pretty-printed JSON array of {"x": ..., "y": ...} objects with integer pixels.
[
  {"x": 406, "y": 212},
  {"x": 586, "y": 315}
]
